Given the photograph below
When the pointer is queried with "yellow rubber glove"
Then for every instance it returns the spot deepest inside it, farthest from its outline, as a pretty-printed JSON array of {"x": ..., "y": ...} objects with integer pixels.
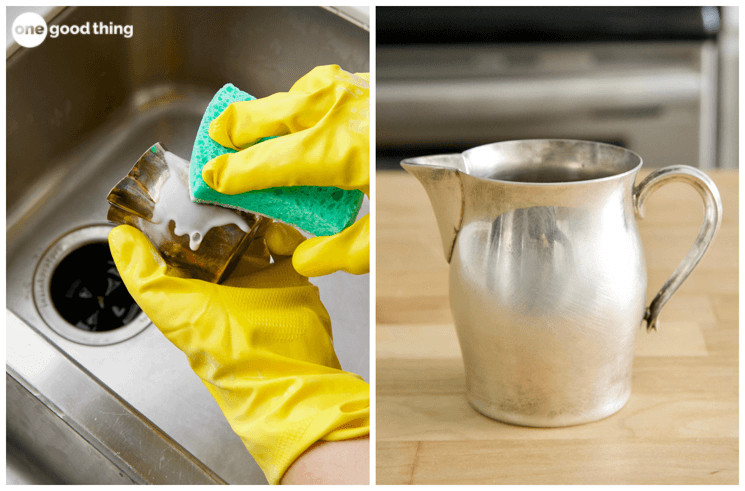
[
  {"x": 325, "y": 120},
  {"x": 261, "y": 343}
]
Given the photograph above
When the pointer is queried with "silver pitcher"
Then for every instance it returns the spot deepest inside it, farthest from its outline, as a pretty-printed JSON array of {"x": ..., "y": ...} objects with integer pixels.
[{"x": 547, "y": 272}]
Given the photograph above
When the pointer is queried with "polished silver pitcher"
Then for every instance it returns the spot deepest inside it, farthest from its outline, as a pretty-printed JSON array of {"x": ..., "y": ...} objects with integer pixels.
[{"x": 547, "y": 272}]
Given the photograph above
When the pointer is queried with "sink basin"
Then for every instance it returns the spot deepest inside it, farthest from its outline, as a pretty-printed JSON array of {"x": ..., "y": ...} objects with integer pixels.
[{"x": 124, "y": 406}]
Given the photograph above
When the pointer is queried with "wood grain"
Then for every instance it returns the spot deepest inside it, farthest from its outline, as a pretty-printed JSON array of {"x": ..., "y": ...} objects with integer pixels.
[{"x": 680, "y": 425}]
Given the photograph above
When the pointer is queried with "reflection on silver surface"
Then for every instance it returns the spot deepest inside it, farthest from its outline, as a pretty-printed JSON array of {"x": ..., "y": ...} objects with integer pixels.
[{"x": 547, "y": 272}]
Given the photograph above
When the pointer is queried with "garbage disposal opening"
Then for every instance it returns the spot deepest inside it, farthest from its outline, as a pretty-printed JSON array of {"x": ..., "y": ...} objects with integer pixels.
[
  {"x": 88, "y": 292},
  {"x": 79, "y": 294}
]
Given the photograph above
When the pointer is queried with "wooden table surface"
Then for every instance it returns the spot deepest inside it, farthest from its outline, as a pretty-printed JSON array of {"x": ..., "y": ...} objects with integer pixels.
[{"x": 680, "y": 425}]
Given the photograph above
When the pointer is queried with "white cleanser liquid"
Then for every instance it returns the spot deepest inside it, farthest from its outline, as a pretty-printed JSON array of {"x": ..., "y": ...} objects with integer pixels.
[{"x": 175, "y": 205}]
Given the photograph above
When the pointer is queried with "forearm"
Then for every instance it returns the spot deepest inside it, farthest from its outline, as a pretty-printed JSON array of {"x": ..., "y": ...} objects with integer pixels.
[{"x": 342, "y": 462}]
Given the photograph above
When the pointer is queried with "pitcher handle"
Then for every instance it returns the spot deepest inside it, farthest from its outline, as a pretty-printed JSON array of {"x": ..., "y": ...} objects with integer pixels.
[{"x": 712, "y": 219}]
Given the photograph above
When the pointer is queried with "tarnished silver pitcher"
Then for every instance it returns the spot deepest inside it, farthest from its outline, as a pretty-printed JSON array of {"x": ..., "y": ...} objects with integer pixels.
[
  {"x": 547, "y": 272},
  {"x": 196, "y": 240}
]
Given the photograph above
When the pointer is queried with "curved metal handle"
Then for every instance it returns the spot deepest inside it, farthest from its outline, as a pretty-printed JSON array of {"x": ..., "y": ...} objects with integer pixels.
[{"x": 712, "y": 219}]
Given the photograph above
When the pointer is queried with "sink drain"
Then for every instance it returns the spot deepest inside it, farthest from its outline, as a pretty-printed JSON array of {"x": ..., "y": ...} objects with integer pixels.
[{"x": 79, "y": 293}]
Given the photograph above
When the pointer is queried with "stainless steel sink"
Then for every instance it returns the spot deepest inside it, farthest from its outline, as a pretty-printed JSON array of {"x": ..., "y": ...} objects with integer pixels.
[{"x": 80, "y": 111}]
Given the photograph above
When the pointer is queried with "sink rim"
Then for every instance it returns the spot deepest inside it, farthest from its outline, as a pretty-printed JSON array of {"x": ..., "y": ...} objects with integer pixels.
[{"x": 28, "y": 365}]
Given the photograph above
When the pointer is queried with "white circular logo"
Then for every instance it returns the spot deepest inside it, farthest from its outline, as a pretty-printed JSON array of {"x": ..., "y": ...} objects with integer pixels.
[{"x": 29, "y": 29}]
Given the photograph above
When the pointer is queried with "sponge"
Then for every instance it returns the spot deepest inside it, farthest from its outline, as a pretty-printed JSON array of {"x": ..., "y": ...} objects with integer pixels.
[{"x": 318, "y": 210}]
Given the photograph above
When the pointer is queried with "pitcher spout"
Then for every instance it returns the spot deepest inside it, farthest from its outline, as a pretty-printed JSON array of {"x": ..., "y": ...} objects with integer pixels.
[{"x": 441, "y": 177}]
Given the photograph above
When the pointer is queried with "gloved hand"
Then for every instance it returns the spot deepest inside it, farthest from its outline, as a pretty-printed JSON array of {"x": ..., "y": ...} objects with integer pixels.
[
  {"x": 261, "y": 343},
  {"x": 325, "y": 120}
]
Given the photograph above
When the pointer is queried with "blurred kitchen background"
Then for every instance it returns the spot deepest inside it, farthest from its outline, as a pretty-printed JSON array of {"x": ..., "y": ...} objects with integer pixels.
[{"x": 662, "y": 81}]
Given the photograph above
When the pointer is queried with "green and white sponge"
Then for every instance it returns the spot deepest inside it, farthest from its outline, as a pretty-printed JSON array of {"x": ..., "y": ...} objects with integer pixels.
[{"x": 315, "y": 209}]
